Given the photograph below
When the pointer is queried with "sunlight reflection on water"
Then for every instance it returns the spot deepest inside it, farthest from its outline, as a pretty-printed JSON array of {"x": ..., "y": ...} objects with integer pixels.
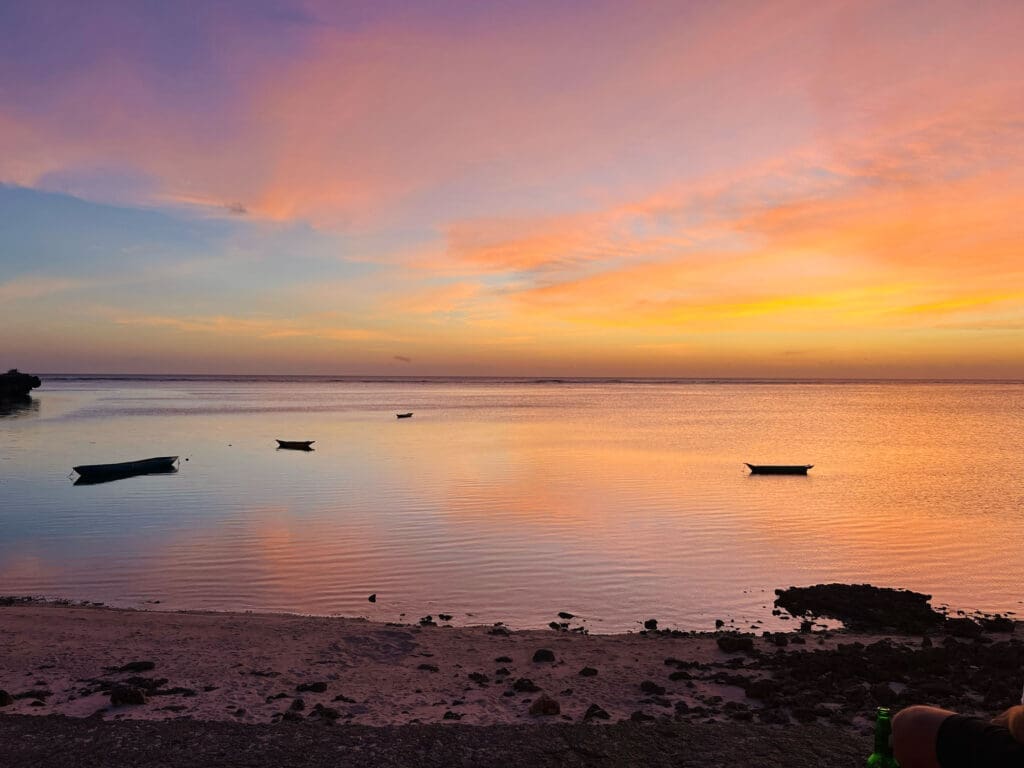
[{"x": 511, "y": 502}]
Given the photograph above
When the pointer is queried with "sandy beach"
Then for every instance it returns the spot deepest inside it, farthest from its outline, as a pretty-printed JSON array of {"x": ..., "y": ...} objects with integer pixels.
[{"x": 86, "y": 661}]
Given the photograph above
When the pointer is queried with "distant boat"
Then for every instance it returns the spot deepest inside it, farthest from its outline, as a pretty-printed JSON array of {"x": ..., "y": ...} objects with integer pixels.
[
  {"x": 779, "y": 469},
  {"x": 403, "y": 415},
  {"x": 90, "y": 473},
  {"x": 296, "y": 445}
]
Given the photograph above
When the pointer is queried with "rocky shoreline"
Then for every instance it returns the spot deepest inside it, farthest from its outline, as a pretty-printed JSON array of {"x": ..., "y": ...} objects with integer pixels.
[{"x": 75, "y": 664}]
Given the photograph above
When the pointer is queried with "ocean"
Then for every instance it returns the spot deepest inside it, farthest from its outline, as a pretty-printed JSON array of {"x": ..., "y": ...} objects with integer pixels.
[{"x": 513, "y": 499}]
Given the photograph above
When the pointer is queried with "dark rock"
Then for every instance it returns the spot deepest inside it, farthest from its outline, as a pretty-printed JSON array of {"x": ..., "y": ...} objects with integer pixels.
[
  {"x": 501, "y": 672},
  {"x": 863, "y": 606},
  {"x": 997, "y": 624},
  {"x": 15, "y": 385},
  {"x": 444, "y": 616},
  {"x": 641, "y": 717},
  {"x": 762, "y": 689},
  {"x": 543, "y": 655},
  {"x": 503, "y": 660},
  {"x": 5, "y": 698},
  {"x": 291, "y": 716},
  {"x": 343, "y": 698},
  {"x": 479, "y": 678},
  {"x": 588, "y": 672},
  {"x": 502, "y": 631},
  {"x": 565, "y": 615},
  {"x": 37, "y": 703},
  {"x": 372, "y": 598},
  {"x": 428, "y": 621},
  {"x": 298, "y": 705},
  {"x": 555, "y": 626},
  {"x": 311, "y": 687},
  {"x": 595, "y": 712},
  {"x": 651, "y": 624},
  {"x": 125, "y": 694},
  {"x": 682, "y": 707},
  {"x": 326, "y": 713},
  {"x": 651, "y": 688},
  {"x": 525, "y": 685},
  {"x": 736, "y": 643},
  {"x": 963, "y": 628},
  {"x": 34, "y": 694},
  {"x": 545, "y": 706},
  {"x": 449, "y": 715},
  {"x": 137, "y": 666},
  {"x": 719, "y": 623},
  {"x": 680, "y": 674},
  {"x": 428, "y": 667}
]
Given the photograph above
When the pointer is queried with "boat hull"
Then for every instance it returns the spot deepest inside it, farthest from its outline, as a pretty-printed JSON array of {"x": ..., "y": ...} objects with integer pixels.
[
  {"x": 779, "y": 469},
  {"x": 156, "y": 465},
  {"x": 403, "y": 415},
  {"x": 296, "y": 445}
]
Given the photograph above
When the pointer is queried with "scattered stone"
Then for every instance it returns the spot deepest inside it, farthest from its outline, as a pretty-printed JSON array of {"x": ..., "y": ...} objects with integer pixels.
[
  {"x": 719, "y": 623},
  {"x": 501, "y": 672},
  {"x": 37, "y": 703},
  {"x": 565, "y": 615},
  {"x": 5, "y": 698},
  {"x": 543, "y": 655},
  {"x": 326, "y": 713},
  {"x": 680, "y": 674},
  {"x": 963, "y": 628},
  {"x": 311, "y": 687},
  {"x": 651, "y": 624},
  {"x": 428, "y": 621},
  {"x": 372, "y": 598},
  {"x": 240, "y": 712},
  {"x": 429, "y": 667},
  {"x": 345, "y": 699},
  {"x": 449, "y": 715},
  {"x": 736, "y": 643},
  {"x": 588, "y": 672},
  {"x": 479, "y": 678},
  {"x": 34, "y": 694},
  {"x": 121, "y": 695},
  {"x": 525, "y": 685},
  {"x": 444, "y": 616},
  {"x": 503, "y": 660},
  {"x": 298, "y": 705},
  {"x": 501, "y": 631},
  {"x": 997, "y": 624},
  {"x": 137, "y": 666},
  {"x": 595, "y": 712},
  {"x": 641, "y": 717},
  {"x": 545, "y": 706},
  {"x": 651, "y": 688}
]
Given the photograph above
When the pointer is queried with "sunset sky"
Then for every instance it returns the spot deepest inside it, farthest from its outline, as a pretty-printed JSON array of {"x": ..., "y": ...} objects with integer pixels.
[{"x": 536, "y": 188}]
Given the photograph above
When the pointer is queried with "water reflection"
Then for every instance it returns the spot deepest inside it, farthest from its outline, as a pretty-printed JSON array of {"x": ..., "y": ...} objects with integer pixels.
[
  {"x": 510, "y": 503},
  {"x": 18, "y": 406}
]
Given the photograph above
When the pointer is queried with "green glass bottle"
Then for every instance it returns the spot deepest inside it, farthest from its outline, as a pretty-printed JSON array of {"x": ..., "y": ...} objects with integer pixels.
[{"x": 882, "y": 757}]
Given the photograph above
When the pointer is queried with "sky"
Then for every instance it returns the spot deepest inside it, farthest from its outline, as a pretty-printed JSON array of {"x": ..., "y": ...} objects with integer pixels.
[{"x": 556, "y": 188}]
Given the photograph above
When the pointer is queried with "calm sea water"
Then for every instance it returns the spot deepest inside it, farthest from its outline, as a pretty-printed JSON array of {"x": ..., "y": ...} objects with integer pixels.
[{"x": 512, "y": 500}]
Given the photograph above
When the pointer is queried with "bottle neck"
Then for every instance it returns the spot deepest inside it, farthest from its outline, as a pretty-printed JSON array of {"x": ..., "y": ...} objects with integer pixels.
[{"x": 883, "y": 730}]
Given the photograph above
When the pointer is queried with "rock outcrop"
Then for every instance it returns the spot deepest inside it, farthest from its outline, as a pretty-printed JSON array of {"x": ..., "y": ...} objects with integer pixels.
[{"x": 15, "y": 385}]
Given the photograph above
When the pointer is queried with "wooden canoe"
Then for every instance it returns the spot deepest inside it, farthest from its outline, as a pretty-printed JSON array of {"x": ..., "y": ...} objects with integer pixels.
[
  {"x": 779, "y": 469},
  {"x": 403, "y": 415}
]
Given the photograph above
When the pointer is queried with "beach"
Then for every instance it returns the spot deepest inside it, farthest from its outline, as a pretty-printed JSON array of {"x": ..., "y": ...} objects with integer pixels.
[{"x": 268, "y": 674}]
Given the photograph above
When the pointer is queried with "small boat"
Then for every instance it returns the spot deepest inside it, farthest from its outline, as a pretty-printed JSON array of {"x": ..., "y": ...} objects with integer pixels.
[
  {"x": 404, "y": 415},
  {"x": 779, "y": 469},
  {"x": 296, "y": 445},
  {"x": 104, "y": 472}
]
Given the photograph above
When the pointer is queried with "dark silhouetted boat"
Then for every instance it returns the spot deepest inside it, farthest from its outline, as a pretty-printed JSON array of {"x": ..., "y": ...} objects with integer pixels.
[
  {"x": 779, "y": 469},
  {"x": 296, "y": 445},
  {"x": 102, "y": 473},
  {"x": 403, "y": 415}
]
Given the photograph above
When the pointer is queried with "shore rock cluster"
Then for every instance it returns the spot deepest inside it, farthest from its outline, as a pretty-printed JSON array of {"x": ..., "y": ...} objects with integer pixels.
[{"x": 15, "y": 385}]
